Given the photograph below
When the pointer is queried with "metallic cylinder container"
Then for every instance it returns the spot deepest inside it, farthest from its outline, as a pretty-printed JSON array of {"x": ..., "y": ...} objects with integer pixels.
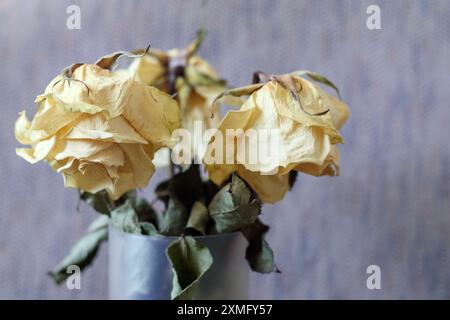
[{"x": 139, "y": 268}]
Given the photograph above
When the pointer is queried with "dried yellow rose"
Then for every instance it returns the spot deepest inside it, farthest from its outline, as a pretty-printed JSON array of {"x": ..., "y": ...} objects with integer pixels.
[
  {"x": 100, "y": 129},
  {"x": 201, "y": 86},
  {"x": 290, "y": 109},
  {"x": 196, "y": 88}
]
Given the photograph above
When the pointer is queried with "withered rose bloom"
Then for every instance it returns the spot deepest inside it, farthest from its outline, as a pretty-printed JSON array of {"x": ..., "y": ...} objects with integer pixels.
[
  {"x": 99, "y": 129},
  {"x": 196, "y": 85},
  {"x": 306, "y": 120}
]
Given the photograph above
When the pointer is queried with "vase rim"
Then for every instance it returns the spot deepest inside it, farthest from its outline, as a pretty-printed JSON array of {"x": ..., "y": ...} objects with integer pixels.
[{"x": 163, "y": 238}]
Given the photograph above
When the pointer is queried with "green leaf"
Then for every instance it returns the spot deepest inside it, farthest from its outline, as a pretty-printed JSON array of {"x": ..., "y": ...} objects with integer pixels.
[
  {"x": 234, "y": 206},
  {"x": 99, "y": 223},
  {"x": 319, "y": 78},
  {"x": 198, "y": 218},
  {"x": 148, "y": 229},
  {"x": 125, "y": 218},
  {"x": 84, "y": 250},
  {"x": 174, "y": 219},
  {"x": 100, "y": 201},
  {"x": 190, "y": 260},
  {"x": 145, "y": 211},
  {"x": 186, "y": 186},
  {"x": 130, "y": 195},
  {"x": 259, "y": 254}
]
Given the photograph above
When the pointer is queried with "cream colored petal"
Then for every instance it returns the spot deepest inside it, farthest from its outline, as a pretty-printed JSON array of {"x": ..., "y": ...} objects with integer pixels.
[
  {"x": 154, "y": 114},
  {"x": 199, "y": 108},
  {"x": 111, "y": 156},
  {"x": 135, "y": 173},
  {"x": 113, "y": 173},
  {"x": 147, "y": 69},
  {"x": 97, "y": 127},
  {"x": 44, "y": 147},
  {"x": 27, "y": 154},
  {"x": 329, "y": 167},
  {"x": 203, "y": 66},
  {"x": 140, "y": 163},
  {"x": 304, "y": 145},
  {"x": 70, "y": 101},
  {"x": 115, "y": 180},
  {"x": 270, "y": 188},
  {"x": 307, "y": 144},
  {"x": 23, "y": 132},
  {"x": 137, "y": 170},
  {"x": 195, "y": 124},
  {"x": 69, "y": 167},
  {"x": 48, "y": 120},
  {"x": 220, "y": 173},
  {"x": 218, "y": 167},
  {"x": 54, "y": 164},
  {"x": 239, "y": 119},
  {"x": 184, "y": 91},
  {"x": 278, "y": 142},
  {"x": 94, "y": 179},
  {"x": 39, "y": 152},
  {"x": 123, "y": 184},
  {"x": 261, "y": 147},
  {"x": 210, "y": 93},
  {"x": 81, "y": 149},
  {"x": 108, "y": 91},
  {"x": 273, "y": 96},
  {"x": 51, "y": 117},
  {"x": 196, "y": 107},
  {"x": 71, "y": 96},
  {"x": 339, "y": 110},
  {"x": 298, "y": 145}
]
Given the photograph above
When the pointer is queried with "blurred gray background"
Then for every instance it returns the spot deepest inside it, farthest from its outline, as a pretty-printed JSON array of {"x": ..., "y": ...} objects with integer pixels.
[{"x": 389, "y": 207}]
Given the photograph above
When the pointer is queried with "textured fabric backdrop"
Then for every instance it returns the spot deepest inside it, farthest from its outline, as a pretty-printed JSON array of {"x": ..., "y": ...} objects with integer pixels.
[{"x": 389, "y": 207}]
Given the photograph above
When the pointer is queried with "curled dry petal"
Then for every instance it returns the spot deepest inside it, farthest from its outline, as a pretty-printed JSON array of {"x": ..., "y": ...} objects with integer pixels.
[
  {"x": 104, "y": 139},
  {"x": 302, "y": 140},
  {"x": 196, "y": 88}
]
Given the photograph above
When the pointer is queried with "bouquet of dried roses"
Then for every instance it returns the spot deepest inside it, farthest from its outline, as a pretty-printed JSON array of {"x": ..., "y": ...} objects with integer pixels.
[{"x": 106, "y": 130}]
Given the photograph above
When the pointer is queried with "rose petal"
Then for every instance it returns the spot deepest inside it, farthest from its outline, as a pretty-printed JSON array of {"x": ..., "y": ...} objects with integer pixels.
[
  {"x": 154, "y": 114},
  {"x": 97, "y": 127},
  {"x": 270, "y": 188}
]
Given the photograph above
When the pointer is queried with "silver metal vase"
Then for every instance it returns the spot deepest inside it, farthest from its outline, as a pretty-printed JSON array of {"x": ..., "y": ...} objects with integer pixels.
[{"x": 139, "y": 269}]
